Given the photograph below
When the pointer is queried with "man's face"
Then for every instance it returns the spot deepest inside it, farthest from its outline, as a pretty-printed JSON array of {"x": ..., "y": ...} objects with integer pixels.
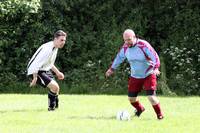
[
  {"x": 128, "y": 39},
  {"x": 60, "y": 41}
]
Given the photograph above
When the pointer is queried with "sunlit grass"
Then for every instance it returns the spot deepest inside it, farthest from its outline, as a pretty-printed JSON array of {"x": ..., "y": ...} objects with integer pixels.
[{"x": 95, "y": 114}]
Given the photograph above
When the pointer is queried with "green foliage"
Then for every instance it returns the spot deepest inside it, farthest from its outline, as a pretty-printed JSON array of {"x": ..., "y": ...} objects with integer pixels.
[
  {"x": 94, "y": 37},
  {"x": 181, "y": 48},
  {"x": 15, "y": 18},
  {"x": 186, "y": 77},
  {"x": 162, "y": 80},
  {"x": 10, "y": 8}
]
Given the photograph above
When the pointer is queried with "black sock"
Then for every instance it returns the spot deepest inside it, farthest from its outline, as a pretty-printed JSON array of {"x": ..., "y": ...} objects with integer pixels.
[
  {"x": 57, "y": 101},
  {"x": 52, "y": 99}
]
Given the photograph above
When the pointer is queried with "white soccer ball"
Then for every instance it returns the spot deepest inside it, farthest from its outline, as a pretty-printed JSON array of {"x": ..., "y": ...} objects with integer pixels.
[{"x": 123, "y": 115}]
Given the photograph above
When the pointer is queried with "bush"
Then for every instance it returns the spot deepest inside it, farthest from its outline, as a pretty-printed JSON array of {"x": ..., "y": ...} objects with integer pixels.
[
  {"x": 180, "y": 50},
  {"x": 94, "y": 36}
]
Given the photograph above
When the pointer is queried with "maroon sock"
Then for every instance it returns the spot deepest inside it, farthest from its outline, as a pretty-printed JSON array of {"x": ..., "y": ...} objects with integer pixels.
[
  {"x": 138, "y": 106},
  {"x": 157, "y": 109}
]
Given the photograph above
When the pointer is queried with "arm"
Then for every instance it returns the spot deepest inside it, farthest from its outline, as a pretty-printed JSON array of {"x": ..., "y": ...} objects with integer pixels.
[
  {"x": 38, "y": 61},
  {"x": 153, "y": 59},
  {"x": 59, "y": 74},
  {"x": 117, "y": 61},
  {"x": 34, "y": 80}
]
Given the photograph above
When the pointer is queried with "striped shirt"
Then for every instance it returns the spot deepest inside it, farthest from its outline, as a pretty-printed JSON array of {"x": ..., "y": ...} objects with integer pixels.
[
  {"x": 142, "y": 58},
  {"x": 43, "y": 59}
]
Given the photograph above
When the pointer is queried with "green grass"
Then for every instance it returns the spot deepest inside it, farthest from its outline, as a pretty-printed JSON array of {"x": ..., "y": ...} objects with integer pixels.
[{"x": 95, "y": 114}]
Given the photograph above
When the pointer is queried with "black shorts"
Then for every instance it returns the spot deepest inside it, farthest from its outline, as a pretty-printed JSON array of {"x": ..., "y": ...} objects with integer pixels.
[{"x": 44, "y": 78}]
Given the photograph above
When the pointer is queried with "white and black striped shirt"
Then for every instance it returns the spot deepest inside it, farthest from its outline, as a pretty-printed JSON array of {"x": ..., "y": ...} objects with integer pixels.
[{"x": 43, "y": 59}]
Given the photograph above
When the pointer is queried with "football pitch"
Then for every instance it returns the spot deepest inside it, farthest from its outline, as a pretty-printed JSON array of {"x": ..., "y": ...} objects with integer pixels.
[{"x": 23, "y": 113}]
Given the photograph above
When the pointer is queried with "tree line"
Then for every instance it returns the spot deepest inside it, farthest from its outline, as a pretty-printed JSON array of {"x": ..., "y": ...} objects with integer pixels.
[{"x": 94, "y": 36}]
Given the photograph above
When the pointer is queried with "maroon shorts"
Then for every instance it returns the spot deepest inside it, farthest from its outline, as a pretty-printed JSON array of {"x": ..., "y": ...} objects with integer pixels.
[{"x": 136, "y": 85}]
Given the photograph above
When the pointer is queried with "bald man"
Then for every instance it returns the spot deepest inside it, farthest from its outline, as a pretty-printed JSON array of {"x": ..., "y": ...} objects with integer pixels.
[{"x": 144, "y": 63}]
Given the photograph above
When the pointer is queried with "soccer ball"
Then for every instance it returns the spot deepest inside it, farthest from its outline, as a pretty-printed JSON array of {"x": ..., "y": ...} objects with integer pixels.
[{"x": 123, "y": 115}]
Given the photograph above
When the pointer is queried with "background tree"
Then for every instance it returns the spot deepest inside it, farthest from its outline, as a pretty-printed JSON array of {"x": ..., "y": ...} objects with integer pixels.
[{"x": 94, "y": 36}]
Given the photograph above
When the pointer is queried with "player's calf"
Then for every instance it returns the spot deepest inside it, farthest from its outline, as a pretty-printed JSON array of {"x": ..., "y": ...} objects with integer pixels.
[
  {"x": 57, "y": 102},
  {"x": 51, "y": 101}
]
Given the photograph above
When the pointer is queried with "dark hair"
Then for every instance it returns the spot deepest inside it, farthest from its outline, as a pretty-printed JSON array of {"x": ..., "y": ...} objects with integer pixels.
[{"x": 59, "y": 33}]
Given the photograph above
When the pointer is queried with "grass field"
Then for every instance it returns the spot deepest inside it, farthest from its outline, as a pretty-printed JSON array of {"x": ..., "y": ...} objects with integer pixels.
[{"x": 95, "y": 114}]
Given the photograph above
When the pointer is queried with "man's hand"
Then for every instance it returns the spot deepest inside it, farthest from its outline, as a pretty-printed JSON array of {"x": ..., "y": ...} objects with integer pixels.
[
  {"x": 60, "y": 75},
  {"x": 156, "y": 72},
  {"x": 109, "y": 72},
  {"x": 33, "y": 82}
]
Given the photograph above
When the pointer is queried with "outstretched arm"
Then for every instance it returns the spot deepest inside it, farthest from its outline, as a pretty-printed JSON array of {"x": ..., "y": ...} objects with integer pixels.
[{"x": 117, "y": 61}]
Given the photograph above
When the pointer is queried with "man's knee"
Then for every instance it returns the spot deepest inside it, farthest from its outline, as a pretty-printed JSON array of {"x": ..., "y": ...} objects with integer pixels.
[
  {"x": 53, "y": 86},
  {"x": 132, "y": 99},
  {"x": 153, "y": 99}
]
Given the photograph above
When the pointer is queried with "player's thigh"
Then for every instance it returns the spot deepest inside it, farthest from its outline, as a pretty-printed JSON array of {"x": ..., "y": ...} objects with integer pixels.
[
  {"x": 43, "y": 78},
  {"x": 150, "y": 87},
  {"x": 150, "y": 82},
  {"x": 134, "y": 86}
]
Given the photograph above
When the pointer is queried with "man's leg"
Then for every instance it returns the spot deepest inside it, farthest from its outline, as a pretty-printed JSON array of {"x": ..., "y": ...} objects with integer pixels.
[
  {"x": 155, "y": 104},
  {"x": 46, "y": 79},
  {"x": 53, "y": 94},
  {"x": 57, "y": 101},
  {"x": 137, "y": 105},
  {"x": 150, "y": 87},
  {"x": 51, "y": 100},
  {"x": 134, "y": 87}
]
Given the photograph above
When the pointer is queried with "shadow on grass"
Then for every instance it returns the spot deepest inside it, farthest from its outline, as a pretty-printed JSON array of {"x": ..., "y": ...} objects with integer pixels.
[
  {"x": 92, "y": 117},
  {"x": 22, "y": 110},
  {"x": 103, "y": 118}
]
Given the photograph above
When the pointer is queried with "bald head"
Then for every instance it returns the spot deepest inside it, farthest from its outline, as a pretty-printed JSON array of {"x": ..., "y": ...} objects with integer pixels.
[
  {"x": 128, "y": 32},
  {"x": 129, "y": 37}
]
